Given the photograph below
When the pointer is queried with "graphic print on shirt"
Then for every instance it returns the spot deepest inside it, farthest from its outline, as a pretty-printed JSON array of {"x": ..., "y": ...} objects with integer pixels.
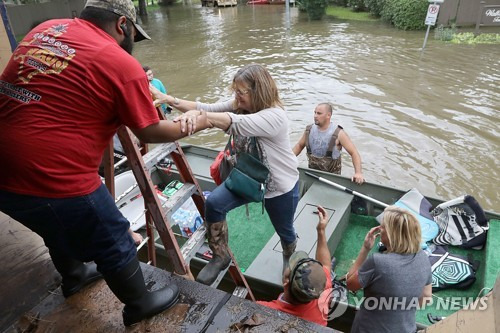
[{"x": 44, "y": 55}]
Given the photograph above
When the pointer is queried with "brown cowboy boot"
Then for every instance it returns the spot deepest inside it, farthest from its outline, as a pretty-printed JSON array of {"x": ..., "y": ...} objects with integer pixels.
[
  {"x": 288, "y": 250},
  {"x": 217, "y": 240}
]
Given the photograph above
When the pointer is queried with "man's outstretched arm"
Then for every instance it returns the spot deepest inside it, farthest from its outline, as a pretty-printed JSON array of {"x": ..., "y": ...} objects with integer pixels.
[
  {"x": 299, "y": 146},
  {"x": 322, "y": 251},
  {"x": 169, "y": 131},
  {"x": 346, "y": 142}
]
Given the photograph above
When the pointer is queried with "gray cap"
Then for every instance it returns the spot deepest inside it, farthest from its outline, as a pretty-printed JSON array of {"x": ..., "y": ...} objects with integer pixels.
[{"x": 122, "y": 8}]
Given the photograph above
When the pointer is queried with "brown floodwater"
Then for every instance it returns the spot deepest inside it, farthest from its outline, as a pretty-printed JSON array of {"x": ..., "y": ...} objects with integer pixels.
[{"x": 427, "y": 120}]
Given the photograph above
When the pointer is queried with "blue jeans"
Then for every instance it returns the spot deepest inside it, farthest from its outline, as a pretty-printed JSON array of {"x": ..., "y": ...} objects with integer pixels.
[
  {"x": 281, "y": 209},
  {"x": 86, "y": 228}
]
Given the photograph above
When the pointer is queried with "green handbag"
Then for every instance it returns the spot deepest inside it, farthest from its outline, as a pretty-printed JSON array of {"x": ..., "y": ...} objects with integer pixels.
[{"x": 248, "y": 177}]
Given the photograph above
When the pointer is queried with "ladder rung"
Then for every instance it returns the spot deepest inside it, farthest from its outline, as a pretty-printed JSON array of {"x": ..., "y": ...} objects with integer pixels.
[
  {"x": 175, "y": 201},
  {"x": 158, "y": 153},
  {"x": 123, "y": 160},
  {"x": 194, "y": 242},
  {"x": 145, "y": 240},
  {"x": 240, "y": 291}
]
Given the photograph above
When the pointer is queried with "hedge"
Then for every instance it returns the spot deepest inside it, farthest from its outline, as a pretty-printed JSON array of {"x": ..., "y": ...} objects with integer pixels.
[{"x": 405, "y": 14}]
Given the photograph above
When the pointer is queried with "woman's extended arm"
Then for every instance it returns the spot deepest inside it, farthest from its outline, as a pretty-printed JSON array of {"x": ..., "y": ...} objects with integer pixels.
[
  {"x": 191, "y": 118},
  {"x": 265, "y": 123},
  {"x": 179, "y": 104},
  {"x": 169, "y": 131}
]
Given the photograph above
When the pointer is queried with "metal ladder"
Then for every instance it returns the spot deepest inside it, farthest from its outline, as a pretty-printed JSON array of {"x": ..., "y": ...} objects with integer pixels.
[{"x": 158, "y": 216}]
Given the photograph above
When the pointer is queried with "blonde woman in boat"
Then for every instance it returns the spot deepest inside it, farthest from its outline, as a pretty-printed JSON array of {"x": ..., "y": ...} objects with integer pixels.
[{"x": 396, "y": 281}]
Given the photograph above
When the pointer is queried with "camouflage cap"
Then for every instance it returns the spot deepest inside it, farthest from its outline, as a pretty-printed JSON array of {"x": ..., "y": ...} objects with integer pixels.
[
  {"x": 122, "y": 8},
  {"x": 307, "y": 277}
]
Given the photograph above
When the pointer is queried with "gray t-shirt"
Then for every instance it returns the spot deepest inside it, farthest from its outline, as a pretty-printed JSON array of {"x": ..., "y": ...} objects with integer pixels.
[
  {"x": 270, "y": 126},
  {"x": 392, "y": 284}
]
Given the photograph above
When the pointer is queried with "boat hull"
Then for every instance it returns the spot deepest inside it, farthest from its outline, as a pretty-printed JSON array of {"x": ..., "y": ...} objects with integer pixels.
[{"x": 264, "y": 273}]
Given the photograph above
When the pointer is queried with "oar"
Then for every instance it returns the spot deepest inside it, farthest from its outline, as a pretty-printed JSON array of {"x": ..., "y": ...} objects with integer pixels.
[{"x": 347, "y": 190}]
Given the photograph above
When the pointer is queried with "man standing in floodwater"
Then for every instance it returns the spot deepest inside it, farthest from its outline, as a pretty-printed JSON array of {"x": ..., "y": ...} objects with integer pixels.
[
  {"x": 68, "y": 87},
  {"x": 324, "y": 140}
]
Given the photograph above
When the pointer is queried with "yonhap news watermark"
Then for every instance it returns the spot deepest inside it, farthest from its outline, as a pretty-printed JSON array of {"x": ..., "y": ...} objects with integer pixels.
[{"x": 331, "y": 307}]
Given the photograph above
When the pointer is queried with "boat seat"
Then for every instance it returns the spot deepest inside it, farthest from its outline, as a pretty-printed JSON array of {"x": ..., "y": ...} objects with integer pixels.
[{"x": 267, "y": 265}]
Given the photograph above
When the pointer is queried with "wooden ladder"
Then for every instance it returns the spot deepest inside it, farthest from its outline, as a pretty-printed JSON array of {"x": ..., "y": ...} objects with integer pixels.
[{"x": 158, "y": 216}]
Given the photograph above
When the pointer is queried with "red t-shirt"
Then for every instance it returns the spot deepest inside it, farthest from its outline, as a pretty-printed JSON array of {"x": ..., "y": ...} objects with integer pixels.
[
  {"x": 64, "y": 93},
  {"x": 315, "y": 311}
]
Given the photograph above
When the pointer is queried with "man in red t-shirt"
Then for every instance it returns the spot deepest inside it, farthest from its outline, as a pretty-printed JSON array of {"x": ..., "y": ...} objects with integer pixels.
[
  {"x": 306, "y": 280},
  {"x": 67, "y": 88}
]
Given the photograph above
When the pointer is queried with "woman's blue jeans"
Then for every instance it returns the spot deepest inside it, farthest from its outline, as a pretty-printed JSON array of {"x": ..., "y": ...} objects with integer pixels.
[
  {"x": 281, "y": 209},
  {"x": 86, "y": 228}
]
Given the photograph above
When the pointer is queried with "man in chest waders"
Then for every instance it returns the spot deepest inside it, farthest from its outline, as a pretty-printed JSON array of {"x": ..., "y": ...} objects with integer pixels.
[
  {"x": 324, "y": 140},
  {"x": 68, "y": 87}
]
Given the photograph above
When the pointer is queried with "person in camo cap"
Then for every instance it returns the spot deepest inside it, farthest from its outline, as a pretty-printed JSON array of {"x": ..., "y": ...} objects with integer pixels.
[
  {"x": 306, "y": 279},
  {"x": 68, "y": 87}
]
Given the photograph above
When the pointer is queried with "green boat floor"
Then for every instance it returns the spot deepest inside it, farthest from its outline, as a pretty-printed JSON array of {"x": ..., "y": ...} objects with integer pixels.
[
  {"x": 248, "y": 235},
  {"x": 486, "y": 275}
]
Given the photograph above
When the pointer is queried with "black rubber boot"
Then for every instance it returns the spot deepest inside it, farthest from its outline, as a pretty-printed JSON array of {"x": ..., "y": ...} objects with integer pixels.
[
  {"x": 128, "y": 285},
  {"x": 75, "y": 274},
  {"x": 217, "y": 240},
  {"x": 288, "y": 250}
]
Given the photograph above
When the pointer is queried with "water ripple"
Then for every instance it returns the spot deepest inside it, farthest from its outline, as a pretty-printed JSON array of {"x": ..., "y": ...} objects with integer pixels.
[{"x": 428, "y": 120}]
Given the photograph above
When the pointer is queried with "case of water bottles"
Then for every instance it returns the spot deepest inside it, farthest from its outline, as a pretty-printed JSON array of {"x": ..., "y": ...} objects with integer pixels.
[{"x": 187, "y": 218}]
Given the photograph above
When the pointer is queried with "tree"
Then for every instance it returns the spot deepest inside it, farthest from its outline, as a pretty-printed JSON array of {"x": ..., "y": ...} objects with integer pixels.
[
  {"x": 315, "y": 9},
  {"x": 142, "y": 8}
]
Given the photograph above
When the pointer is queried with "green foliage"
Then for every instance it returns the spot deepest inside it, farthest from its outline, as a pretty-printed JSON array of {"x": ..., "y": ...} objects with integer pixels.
[
  {"x": 445, "y": 34},
  {"x": 374, "y": 6},
  {"x": 470, "y": 38},
  {"x": 315, "y": 9},
  {"x": 342, "y": 3},
  {"x": 356, "y": 5},
  {"x": 347, "y": 14},
  {"x": 405, "y": 14},
  {"x": 301, "y": 5},
  {"x": 387, "y": 11}
]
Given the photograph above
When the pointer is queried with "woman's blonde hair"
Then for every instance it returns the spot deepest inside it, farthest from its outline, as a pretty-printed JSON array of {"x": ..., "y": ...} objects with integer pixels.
[
  {"x": 262, "y": 88},
  {"x": 403, "y": 230}
]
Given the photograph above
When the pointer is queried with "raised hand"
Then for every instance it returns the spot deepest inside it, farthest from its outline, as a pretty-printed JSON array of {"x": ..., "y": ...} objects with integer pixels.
[
  {"x": 322, "y": 219},
  {"x": 157, "y": 95},
  {"x": 370, "y": 238}
]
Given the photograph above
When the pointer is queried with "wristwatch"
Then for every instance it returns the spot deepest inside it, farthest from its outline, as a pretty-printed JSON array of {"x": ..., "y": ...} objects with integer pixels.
[{"x": 176, "y": 101}]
